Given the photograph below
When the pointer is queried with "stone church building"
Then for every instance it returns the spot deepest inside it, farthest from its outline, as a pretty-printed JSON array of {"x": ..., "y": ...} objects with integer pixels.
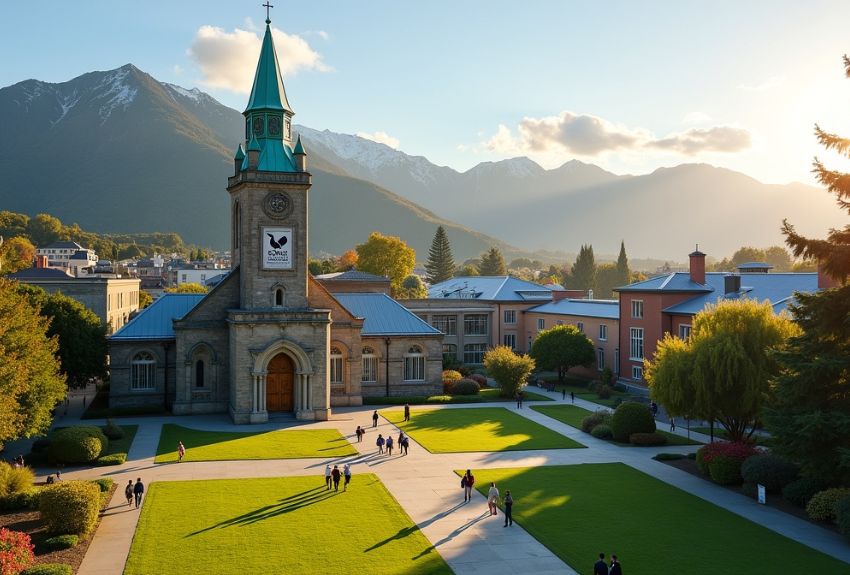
[{"x": 270, "y": 338}]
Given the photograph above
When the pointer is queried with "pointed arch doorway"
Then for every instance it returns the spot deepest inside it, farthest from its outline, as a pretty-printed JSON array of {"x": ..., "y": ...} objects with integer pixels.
[{"x": 280, "y": 386}]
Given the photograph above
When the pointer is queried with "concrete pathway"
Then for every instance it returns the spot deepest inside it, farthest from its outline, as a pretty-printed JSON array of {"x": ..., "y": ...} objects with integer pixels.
[{"x": 426, "y": 487}]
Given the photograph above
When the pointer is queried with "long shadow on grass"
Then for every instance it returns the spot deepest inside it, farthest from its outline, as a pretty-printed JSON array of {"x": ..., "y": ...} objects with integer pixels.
[
  {"x": 285, "y": 505},
  {"x": 454, "y": 533}
]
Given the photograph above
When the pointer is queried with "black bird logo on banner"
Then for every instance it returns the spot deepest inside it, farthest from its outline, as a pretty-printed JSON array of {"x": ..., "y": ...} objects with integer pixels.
[{"x": 276, "y": 244}]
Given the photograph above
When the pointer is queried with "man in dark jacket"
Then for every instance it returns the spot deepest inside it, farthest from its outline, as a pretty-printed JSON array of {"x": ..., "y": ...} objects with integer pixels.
[
  {"x": 138, "y": 490},
  {"x": 615, "y": 566},
  {"x": 600, "y": 567}
]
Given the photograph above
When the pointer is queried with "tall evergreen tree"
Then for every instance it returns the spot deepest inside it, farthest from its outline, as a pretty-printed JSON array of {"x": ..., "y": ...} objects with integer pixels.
[
  {"x": 832, "y": 253},
  {"x": 623, "y": 271},
  {"x": 441, "y": 264},
  {"x": 583, "y": 273},
  {"x": 492, "y": 263}
]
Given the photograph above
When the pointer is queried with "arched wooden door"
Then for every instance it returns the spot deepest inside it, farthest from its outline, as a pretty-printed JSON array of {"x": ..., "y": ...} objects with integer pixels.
[{"x": 279, "y": 384}]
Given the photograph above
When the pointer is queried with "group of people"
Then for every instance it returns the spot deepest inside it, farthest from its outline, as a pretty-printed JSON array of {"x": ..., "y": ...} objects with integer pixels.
[
  {"x": 602, "y": 568},
  {"x": 134, "y": 492},
  {"x": 334, "y": 475},
  {"x": 385, "y": 444},
  {"x": 468, "y": 481}
]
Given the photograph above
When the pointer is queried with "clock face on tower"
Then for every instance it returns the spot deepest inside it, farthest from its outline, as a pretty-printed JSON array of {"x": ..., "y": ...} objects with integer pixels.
[
  {"x": 258, "y": 125},
  {"x": 274, "y": 126},
  {"x": 277, "y": 205}
]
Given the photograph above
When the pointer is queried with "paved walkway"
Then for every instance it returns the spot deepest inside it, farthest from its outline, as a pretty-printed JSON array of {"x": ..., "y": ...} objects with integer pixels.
[{"x": 426, "y": 487}]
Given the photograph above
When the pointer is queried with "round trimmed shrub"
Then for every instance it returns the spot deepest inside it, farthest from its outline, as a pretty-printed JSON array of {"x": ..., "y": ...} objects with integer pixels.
[
  {"x": 598, "y": 417},
  {"x": 823, "y": 505},
  {"x": 112, "y": 459},
  {"x": 465, "y": 387},
  {"x": 15, "y": 479},
  {"x": 602, "y": 431},
  {"x": 70, "y": 507},
  {"x": 479, "y": 379},
  {"x": 842, "y": 516},
  {"x": 60, "y": 542},
  {"x": 722, "y": 460},
  {"x": 21, "y": 500},
  {"x": 629, "y": 418},
  {"x": 603, "y": 392},
  {"x": 451, "y": 375},
  {"x": 800, "y": 491},
  {"x": 725, "y": 470},
  {"x": 81, "y": 444},
  {"x": 39, "y": 445},
  {"x": 49, "y": 569},
  {"x": 769, "y": 470},
  {"x": 113, "y": 430},
  {"x": 104, "y": 483},
  {"x": 15, "y": 551},
  {"x": 647, "y": 439}
]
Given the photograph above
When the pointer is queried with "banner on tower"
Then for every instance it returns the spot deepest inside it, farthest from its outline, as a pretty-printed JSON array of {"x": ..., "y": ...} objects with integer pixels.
[{"x": 277, "y": 248}]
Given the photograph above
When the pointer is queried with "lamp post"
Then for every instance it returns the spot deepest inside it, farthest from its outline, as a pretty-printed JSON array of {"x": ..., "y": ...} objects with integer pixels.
[{"x": 387, "y": 364}]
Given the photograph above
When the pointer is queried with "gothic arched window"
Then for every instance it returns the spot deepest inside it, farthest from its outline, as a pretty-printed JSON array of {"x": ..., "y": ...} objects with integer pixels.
[
  {"x": 143, "y": 371},
  {"x": 336, "y": 365}
]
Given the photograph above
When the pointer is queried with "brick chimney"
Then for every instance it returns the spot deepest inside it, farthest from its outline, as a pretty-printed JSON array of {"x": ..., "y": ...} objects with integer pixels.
[
  {"x": 825, "y": 281},
  {"x": 558, "y": 295},
  {"x": 697, "y": 266}
]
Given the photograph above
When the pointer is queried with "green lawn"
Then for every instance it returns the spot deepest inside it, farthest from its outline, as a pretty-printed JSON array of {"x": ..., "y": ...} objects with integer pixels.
[
  {"x": 277, "y": 525},
  {"x": 572, "y": 415},
  {"x": 476, "y": 429},
  {"x": 487, "y": 394},
  {"x": 579, "y": 510},
  {"x": 223, "y": 445},
  {"x": 582, "y": 392}
]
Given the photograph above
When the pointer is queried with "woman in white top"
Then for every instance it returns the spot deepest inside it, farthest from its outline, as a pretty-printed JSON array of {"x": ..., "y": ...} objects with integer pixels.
[{"x": 493, "y": 498}]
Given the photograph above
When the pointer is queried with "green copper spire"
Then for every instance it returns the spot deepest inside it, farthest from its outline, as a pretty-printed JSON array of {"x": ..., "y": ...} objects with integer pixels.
[
  {"x": 299, "y": 149},
  {"x": 268, "y": 92},
  {"x": 254, "y": 145},
  {"x": 240, "y": 153}
]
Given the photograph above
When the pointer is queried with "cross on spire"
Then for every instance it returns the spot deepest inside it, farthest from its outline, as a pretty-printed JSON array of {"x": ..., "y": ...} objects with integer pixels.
[{"x": 267, "y": 6}]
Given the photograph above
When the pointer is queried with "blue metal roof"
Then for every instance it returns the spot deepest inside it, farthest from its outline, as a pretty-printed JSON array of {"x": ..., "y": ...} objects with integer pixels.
[
  {"x": 777, "y": 288},
  {"x": 156, "y": 320},
  {"x": 490, "y": 288},
  {"x": 755, "y": 266},
  {"x": 602, "y": 308},
  {"x": 672, "y": 282},
  {"x": 383, "y": 315}
]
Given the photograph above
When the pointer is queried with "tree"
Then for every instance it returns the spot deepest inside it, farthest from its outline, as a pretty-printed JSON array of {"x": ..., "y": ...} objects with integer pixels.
[
  {"x": 509, "y": 369},
  {"x": 519, "y": 263},
  {"x": 607, "y": 278},
  {"x": 412, "y": 288},
  {"x": 623, "y": 271},
  {"x": 833, "y": 253},
  {"x": 492, "y": 263},
  {"x": 561, "y": 348},
  {"x": 747, "y": 254},
  {"x": 16, "y": 254},
  {"x": 44, "y": 229},
  {"x": 188, "y": 287},
  {"x": 347, "y": 261},
  {"x": 809, "y": 415},
  {"x": 779, "y": 258},
  {"x": 30, "y": 382},
  {"x": 583, "y": 272},
  {"x": 145, "y": 299},
  {"x": 13, "y": 224},
  {"x": 441, "y": 264},
  {"x": 386, "y": 256},
  {"x": 729, "y": 362},
  {"x": 467, "y": 271}
]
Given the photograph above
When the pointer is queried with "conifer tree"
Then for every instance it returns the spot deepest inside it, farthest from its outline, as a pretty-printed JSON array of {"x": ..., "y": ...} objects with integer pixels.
[
  {"x": 833, "y": 253},
  {"x": 583, "y": 273},
  {"x": 492, "y": 263},
  {"x": 440, "y": 265},
  {"x": 623, "y": 271}
]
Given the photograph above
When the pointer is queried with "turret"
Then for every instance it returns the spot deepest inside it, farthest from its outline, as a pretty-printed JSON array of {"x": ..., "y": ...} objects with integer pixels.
[
  {"x": 254, "y": 150},
  {"x": 238, "y": 159},
  {"x": 300, "y": 155}
]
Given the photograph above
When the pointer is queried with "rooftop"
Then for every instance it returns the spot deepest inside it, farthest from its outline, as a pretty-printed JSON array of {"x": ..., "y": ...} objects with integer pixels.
[
  {"x": 601, "y": 308},
  {"x": 383, "y": 315},
  {"x": 157, "y": 320},
  {"x": 353, "y": 276},
  {"x": 490, "y": 288}
]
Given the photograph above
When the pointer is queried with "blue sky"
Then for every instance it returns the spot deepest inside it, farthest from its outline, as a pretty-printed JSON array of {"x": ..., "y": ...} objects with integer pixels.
[{"x": 630, "y": 86}]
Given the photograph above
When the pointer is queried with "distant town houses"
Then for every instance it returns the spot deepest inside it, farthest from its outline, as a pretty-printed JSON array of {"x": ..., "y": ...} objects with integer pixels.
[{"x": 69, "y": 255}]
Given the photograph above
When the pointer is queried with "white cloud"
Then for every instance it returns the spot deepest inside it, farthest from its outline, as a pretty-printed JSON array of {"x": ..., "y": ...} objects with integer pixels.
[
  {"x": 228, "y": 59},
  {"x": 769, "y": 84},
  {"x": 320, "y": 33},
  {"x": 590, "y": 136},
  {"x": 693, "y": 118},
  {"x": 381, "y": 138}
]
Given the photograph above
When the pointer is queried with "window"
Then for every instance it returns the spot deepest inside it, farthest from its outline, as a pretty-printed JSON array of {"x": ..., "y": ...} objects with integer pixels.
[
  {"x": 475, "y": 324},
  {"x": 278, "y": 297},
  {"x": 637, "y": 309},
  {"x": 445, "y": 323},
  {"x": 369, "y": 373},
  {"x": 684, "y": 331},
  {"x": 637, "y": 372},
  {"x": 603, "y": 332},
  {"x": 636, "y": 343},
  {"x": 580, "y": 326},
  {"x": 199, "y": 373},
  {"x": 510, "y": 316},
  {"x": 142, "y": 371},
  {"x": 184, "y": 278},
  {"x": 336, "y": 365},
  {"x": 449, "y": 352},
  {"x": 600, "y": 359},
  {"x": 414, "y": 364},
  {"x": 510, "y": 340},
  {"x": 541, "y": 324},
  {"x": 474, "y": 353}
]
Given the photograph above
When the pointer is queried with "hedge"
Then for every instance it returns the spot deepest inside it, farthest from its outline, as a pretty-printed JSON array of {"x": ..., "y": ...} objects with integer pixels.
[
  {"x": 602, "y": 431},
  {"x": 70, "y": 507},
  {"x": 669, "y": 456},
  {"x": 598, "y": 417},
  {"x": 21, "y": 500},
  {"x": 823, "y": 506},
  {"x": 769, "y": 470},
  {"x": 49, "y": 569},
  {"x": 60, "y": 542},
  {"x": 629, "y": 418},
  {"x": 722, "y": 460},
  {"x": 842, "y": 516},
  {"x": 81, "y": 444},
  {"x": 800, "y": 491},
  {"x": 112, "y": 459},
  {"x": 103, "y": 483},
  {"x": 647, "y": 439},
  {"x": 465, "y": 387}
]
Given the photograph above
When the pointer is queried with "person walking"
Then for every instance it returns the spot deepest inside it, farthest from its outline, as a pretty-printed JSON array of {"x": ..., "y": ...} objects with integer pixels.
[
  {"x": 399, "y": 441},
  {"x": 672, "y": 423},
  {"x": 336, "y": 475},
  {"x": 327, "y": 477},
  {"x": 181, "y": 451},
  {"x": 407, "y": 412},
  {"x": 380, "y": 443},
  {"x": 467, "y": 481},
  {"x": 128, "y": 492},
  {"x": 138, "y": 491},
  {"x": 359, "y": 434},
  {"x": 493, "y": 499},
  {"x": 563, "y": 393},
  {"x": 346, "y": 472},
  {"x": 509, "y": 505},
  {"x": 519, "y": 399},
  {"x": 615, "y": 566},
  {"x": 375, "y": 419},
  {"x": 389, "y": 444},
  {"x": 405, "y": 444},
  {"x": 600, "y": 567},
  {"x": 572, "y": 397}
]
